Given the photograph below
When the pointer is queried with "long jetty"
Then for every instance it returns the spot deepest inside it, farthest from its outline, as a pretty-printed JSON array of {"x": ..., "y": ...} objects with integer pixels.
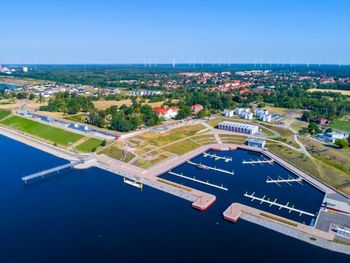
[
  {"x": 288, "y": 181},
  {"x": 199, "y": 181},
  {"x": 274, "y": 203},
  {"x": 217, "y": 157},
  {"x": 261, "y": 162},
  {"x": 51, "y": 170},
  {"x": 206, "y": 167}
]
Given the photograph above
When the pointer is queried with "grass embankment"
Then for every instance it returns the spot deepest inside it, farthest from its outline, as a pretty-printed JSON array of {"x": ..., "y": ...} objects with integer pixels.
[
  {"x": 90, "y": 145},
  {"x": 215, "y": 122},
  {"x": 286, "y": 135},
  {"x": 298, "y": 125},
  {"x": 169, "y": 136},
  {"x": 312, "y": 166},
  {"x": 76, "y": 118},
  {"x": 4, "y": 113},
  {"x": 337, "y": 158},
  {"x": 42, "y": 131},
  {"x": 204, "y": 139},
  {"x": 149, "y": 160},
  {"x": 116, "y": 151},
  {"x": 182, "y": 147},
  {"x": 234, "y": 139},
  {"x": 341, "y": 125}
]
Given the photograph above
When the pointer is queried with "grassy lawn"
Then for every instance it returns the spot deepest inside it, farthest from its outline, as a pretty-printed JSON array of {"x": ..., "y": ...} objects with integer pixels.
[
  {"x": 42, "y": 131},
  {"x": 170, "y": 136},
  {"x": 286, "y": 135},
  {"x": 76, "y": 118},
  {"x": 338, "y": 158},
  {"x": 298, "y": 125},
  {"x": 4, "y": 113},
  {"x": 116, "y": 151},
  {"x": 276, "y": 110},
  {"x": 90, "y": 145},
  {"x": 204, "y": 139},
  {"x": 234, "y": 139},
  {"x": 182, "y": 147},
  {"x": 144, "y": 163},
  {"x": 215, "y": 122},
  {"x": 104, "y": 104},
  {"x": 341, "y": 125}
]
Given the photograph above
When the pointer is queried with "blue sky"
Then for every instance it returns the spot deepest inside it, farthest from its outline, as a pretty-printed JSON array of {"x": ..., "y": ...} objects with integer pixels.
[{"x": 132, "y": 31}]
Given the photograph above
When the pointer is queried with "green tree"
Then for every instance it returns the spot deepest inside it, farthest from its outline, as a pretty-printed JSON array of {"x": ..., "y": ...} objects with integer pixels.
[
  {"x": 203, "y": 113},
  {"x": 341, "y": 143}
]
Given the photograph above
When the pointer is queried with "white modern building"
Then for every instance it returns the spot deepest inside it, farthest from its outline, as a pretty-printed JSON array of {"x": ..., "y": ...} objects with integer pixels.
[
  {"x": 263, "y": 115},
  {"x": 238, "y": 127},
  {"x": 247, "y": 115},
  {"x": 256, "y": 143},
  {"x": 333, "y": 136},
  {"x": 229, "y": 113}
]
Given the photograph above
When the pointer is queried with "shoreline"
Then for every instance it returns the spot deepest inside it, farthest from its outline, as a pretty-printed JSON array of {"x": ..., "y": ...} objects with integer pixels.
[{"x": 200, "y": 200}]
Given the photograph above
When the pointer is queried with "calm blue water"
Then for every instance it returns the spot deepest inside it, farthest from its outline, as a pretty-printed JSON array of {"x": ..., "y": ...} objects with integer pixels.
[
  {"x": 251, "y": 179},
  {"x": 90, "y": 216},
  {"x": 8, "y": 86}
]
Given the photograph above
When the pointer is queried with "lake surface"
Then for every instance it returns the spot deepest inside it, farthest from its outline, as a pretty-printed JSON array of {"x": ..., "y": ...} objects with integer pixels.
[
  {"x": 8, "y": 86},
  {"x": 91, "y": 216}
]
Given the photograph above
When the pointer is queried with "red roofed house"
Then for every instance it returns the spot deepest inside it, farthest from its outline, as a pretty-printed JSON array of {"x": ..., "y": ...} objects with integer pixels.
[
  {"x": 244, "y": 91},
  {"x": 166, "y": 113},
  {"x": 196, "y": 108}
]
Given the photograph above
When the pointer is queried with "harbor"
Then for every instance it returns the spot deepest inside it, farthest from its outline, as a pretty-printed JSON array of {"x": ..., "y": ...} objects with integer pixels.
[{"x": 212, "y": 180}]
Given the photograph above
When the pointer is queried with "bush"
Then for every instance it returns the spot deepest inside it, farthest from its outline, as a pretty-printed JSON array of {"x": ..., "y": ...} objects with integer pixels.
[{"x": 341, "y": 143}]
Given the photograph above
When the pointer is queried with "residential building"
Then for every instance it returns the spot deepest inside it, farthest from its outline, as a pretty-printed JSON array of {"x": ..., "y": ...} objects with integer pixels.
[
  {"x": 196, "y": 108},
  {"x": 229, "y": 113},
  {"x": 166, "y": 113}
]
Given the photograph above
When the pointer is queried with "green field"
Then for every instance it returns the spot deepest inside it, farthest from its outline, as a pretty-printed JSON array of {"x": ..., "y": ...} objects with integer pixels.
[
  {"x": 90, "y": 145},
  {"x": 169, "y": 136},
  {"x": 76, "y": 118},
  {"x": 341, "y": 125},
  {"x": 115, "y": 151},
  {"x": 42, "y": 131},
  {"x": 315, "y": 167},
  {"x": 4, "y": 113},
  {"x": 181, "y": 147}
]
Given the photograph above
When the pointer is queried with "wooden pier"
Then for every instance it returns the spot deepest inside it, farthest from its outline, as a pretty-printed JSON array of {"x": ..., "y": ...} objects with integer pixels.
[
  {"x": 261, "y": 162},
  {"x": 199, "y": 181},
  {"x": 51, "y": 170},
  {"x": 288, "y": 181},
  {"x": 206, "y": 167},
  {"x": 216, "y": 157},
  {"x": 274, "y": 203}
]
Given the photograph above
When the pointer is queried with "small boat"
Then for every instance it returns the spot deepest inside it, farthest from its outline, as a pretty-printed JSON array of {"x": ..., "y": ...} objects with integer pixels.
[
  {"x": 202, "y": 166},
  {"x": 133, "y": 183}
]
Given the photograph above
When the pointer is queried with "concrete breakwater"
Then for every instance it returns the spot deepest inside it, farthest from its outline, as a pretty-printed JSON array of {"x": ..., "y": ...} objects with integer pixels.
[
  {"x": 285, "y": 230},
  {"x": 287, "y": 227}
]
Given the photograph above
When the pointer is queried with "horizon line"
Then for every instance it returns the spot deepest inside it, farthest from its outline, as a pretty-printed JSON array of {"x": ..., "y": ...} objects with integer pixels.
[{"x": 184, "y": 63}]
